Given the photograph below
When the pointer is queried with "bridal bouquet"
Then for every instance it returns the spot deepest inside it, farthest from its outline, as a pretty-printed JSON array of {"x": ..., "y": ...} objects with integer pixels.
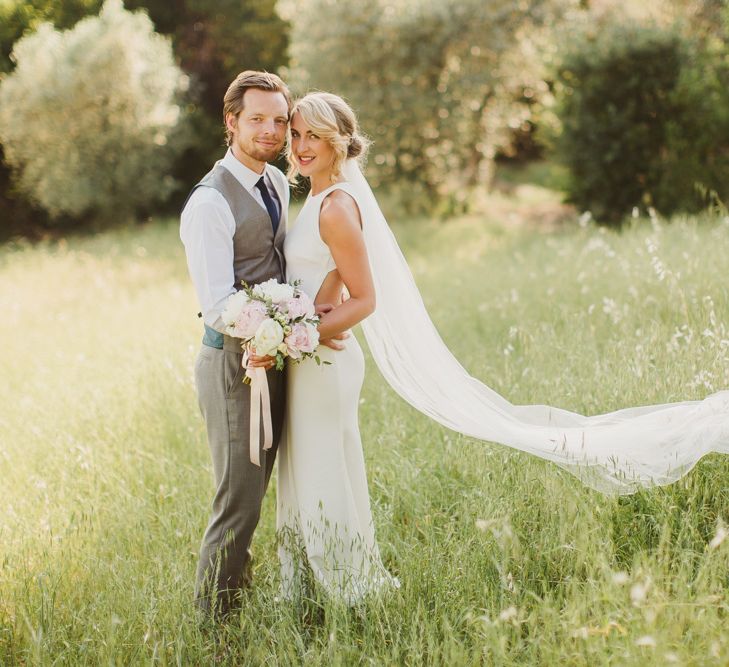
[{"x": 275, "y": 319}]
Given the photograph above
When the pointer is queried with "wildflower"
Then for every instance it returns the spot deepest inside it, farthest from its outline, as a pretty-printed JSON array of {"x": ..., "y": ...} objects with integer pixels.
[
  {"x": 639, "y": 591},
  {"x": 721, "y": 535},
  {"x": 620, "y": 578},
  {"x": 509, "y": 614}
]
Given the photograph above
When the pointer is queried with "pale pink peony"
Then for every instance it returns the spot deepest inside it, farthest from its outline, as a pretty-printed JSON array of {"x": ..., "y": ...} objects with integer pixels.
[
  {"x": 249, "y": 319},
  {"x": 303, "y": 338},
  {"x": 302, "y": 305}
]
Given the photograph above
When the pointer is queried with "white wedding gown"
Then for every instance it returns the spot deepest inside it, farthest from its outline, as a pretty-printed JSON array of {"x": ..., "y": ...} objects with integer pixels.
[
  {"x": 324, "y": 514},
  {"x": 322, "y": 487}
]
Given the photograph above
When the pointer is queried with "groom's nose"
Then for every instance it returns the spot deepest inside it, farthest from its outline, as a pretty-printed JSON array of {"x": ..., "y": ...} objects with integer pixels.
[{"x": 269, "y": 126}]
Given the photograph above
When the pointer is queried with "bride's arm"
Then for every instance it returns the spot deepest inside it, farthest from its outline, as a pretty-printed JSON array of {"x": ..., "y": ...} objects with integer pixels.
[{"x": 340, "y": 228}]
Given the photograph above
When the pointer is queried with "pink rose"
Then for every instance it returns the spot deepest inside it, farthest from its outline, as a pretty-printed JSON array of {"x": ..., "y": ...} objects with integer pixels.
[
  {"x": 298, "y": 306},
  {"x": 249, "y": 319},
  {"x": 303, "y": 338}
]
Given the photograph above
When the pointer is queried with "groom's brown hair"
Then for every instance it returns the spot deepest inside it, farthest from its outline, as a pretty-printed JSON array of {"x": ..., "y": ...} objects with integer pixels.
[{"x": 233, "y": 100}]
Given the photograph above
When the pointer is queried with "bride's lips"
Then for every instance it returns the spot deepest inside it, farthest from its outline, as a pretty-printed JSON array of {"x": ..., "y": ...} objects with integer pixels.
[{"x": 304, "y": 161}]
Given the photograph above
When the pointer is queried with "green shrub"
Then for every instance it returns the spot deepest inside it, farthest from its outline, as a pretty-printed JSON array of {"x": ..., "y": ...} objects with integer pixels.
[
  {"x": 87, "y": 115},
  {"x": 696, "y": 165},
  {"x": 643, "y": 123}
]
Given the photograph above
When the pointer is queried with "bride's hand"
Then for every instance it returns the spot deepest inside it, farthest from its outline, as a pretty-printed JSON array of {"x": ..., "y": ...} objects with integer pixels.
[
  {"x": 323, "y": 308},
  {"x": 332, "y": 342}
]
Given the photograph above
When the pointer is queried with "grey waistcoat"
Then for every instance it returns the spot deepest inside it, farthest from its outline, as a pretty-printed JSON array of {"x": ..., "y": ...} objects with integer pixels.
[{"x": 257, "y": 255}]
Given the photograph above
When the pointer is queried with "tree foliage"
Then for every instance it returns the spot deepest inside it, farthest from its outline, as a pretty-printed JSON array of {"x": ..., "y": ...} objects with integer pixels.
[
  {"x": 213, "y": 40},
  {"x": 87, "y": 115},
  {"x": 21, "y": 17},
  {"x": 433, "y": 82},
  {"x": 216, "y": 39},
  {"x": 17, "y": 18}
]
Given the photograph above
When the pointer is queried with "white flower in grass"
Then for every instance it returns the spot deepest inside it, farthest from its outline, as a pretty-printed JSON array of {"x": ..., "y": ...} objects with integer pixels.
[
  {"x": 509, "y": 614},
  {"x": 620, "y": 578},
  {"x": 721, "y": 535},
  {"x": 646, "y": 640},
  {"x": 485, "y": 619},
  {"x": 639, "y": 591}
]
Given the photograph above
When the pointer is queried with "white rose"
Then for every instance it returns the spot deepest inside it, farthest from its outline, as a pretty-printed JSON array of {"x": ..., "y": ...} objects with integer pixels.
[
  {"x": 269, "y": 336},
  {"x": 313, "y": 336},
  {"x": 233, "y": 306},
  {"x": 277, "y": 292}
]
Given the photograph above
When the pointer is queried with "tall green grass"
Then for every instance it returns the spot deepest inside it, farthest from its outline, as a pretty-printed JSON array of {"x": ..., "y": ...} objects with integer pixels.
[{"x": 503, "y": 559}]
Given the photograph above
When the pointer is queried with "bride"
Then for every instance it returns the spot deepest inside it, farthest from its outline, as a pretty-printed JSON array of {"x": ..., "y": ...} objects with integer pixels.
[
  {"x": 341, "y": 240},
  {"x": 323, "y": 502}
]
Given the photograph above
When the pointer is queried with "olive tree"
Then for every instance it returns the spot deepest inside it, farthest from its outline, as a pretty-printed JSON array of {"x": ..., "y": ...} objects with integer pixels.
[
  {"x": 435, "y": 83},
  {"x": 87, "y": 115}
]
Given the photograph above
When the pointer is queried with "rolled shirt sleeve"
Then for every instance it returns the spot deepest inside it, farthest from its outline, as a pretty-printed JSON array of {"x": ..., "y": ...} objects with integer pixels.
[{"x": 207, "y": 228}]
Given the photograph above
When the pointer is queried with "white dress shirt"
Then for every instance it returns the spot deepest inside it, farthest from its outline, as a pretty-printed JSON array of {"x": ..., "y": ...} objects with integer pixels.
[{"x": 207, "y": 228}]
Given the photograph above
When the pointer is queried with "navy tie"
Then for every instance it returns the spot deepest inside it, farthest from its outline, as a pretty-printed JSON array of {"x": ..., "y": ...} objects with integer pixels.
[{"x": 270, "y": 204}]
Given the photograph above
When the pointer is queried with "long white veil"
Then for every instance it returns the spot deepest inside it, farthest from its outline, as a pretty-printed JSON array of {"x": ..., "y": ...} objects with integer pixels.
[{"x": 617, "y": 452}]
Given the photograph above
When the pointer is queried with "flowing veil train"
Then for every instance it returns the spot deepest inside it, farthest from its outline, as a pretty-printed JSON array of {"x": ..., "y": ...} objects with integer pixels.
[{"x": 616, "y": 452}]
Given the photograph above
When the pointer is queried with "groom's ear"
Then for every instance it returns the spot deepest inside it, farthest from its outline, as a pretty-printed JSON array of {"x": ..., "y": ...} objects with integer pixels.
[{"x": 231, "y": 121}]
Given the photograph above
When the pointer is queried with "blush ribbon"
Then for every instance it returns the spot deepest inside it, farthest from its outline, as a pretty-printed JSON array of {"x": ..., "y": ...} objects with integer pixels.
[{"x": 260, "y": 400}]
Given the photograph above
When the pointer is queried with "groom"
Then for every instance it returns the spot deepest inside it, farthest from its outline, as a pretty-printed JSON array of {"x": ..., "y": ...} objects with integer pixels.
[{"x": 233, "y": 226}]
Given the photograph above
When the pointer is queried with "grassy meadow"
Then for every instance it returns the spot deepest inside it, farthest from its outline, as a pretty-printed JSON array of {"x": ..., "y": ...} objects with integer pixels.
[{"x": 504, "y": 559}]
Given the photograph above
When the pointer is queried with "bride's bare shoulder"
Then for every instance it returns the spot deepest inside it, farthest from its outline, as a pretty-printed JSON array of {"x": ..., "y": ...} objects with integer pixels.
[{"x": 339, "y": 209}]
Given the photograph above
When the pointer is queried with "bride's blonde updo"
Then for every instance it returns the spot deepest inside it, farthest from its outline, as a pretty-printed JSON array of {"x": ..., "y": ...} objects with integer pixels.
[{"x": 333, "y": 120}]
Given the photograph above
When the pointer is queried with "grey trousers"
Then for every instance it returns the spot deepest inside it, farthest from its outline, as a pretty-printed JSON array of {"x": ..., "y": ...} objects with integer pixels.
[{"x": 224, "y": 565}]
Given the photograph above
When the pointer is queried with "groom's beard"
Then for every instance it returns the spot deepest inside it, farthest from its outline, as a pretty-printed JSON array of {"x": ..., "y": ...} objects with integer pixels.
[{"x": 260, "y": 153}]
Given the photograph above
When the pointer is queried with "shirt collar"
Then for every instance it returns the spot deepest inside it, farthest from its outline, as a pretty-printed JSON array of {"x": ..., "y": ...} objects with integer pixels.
[{"x": 244, "y": 175}]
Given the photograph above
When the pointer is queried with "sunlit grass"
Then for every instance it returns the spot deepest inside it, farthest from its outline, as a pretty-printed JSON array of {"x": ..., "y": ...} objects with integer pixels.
[{"x": 504, "y": 559}]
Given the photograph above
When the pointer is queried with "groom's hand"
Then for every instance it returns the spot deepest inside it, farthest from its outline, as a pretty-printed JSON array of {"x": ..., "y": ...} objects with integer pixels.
[{"x": 266, "y": 362}]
